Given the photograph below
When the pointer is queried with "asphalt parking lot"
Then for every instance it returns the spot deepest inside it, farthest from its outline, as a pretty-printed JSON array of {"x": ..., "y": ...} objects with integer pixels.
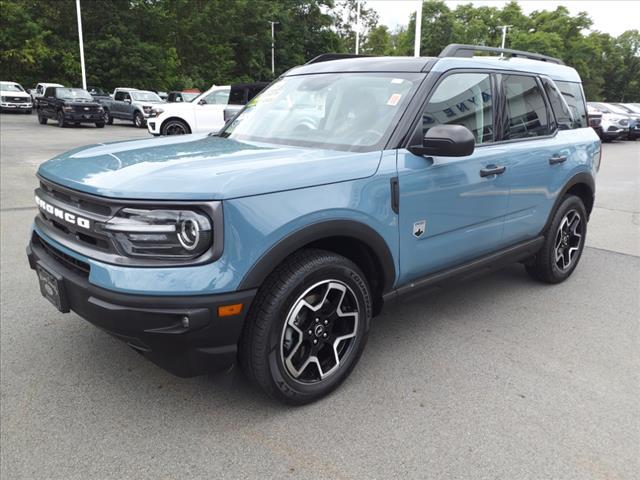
[{"x": 499, "y": 377}]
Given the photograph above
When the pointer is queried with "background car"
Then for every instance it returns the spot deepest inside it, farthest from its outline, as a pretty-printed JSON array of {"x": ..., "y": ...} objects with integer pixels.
[
  {"x": 37, "y": 92},
  {"x": 69, "y": 106},
  {"x": 203, "y": 114},
  {"x": 614, "y": 125},
  {"x": 633, "y": 110},
  {"x": 130, "y": 104},
  {"x": 595, "y": 119},
  {"x": 98, "y": 93},
  {"x": 14, "y": 98}
]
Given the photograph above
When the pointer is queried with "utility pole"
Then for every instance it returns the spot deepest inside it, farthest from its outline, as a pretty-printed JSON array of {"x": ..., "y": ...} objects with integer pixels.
[
  {"x": 416, "y": 43},
  {"x": 358, "y": 28},
  {"x": 504, "y": 36},
  {"x": 84, "y": 73},
  {"x": 273, "y": 44}
]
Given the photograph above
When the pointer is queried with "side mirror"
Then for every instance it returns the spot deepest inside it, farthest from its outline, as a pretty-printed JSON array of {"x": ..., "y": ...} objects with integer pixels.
[
  {"x": 202, "y": 101},
  {"x": 446, "y": 141}
]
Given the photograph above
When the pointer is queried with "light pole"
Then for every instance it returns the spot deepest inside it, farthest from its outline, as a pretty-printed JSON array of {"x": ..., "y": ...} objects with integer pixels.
[
  {"x": 84, "y": 73},
  {"x": 416, "y": 43},
  {"x": 358, "y": 28},
  {"x": 504, "y": 36},
  {"x": 273, "y": 44}
]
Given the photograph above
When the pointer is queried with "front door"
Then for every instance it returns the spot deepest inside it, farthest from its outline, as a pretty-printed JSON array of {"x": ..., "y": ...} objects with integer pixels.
[
  {"x": 210, "y": 111},
  {"x": 452, "y": 209}
]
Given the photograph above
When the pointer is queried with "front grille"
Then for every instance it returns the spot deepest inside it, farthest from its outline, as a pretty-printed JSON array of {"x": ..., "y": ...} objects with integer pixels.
[
  {"x": 16, "y": 100},
  {"x": 85, "y": 109},
  {"x": 78, "y": 266},
  {"x": 80, "y": 202}
]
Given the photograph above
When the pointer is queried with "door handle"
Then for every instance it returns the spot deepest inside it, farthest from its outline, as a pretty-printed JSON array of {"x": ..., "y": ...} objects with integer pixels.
[
  {"x": 492, "y": 170},
  {"x": 557, "y": 159}
]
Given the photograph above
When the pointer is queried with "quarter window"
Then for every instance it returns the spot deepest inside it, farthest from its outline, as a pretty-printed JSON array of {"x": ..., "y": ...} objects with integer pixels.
[
  {"x": 528, "y": 116},
  {"x": 573, "y": 95},
  {"x": 462, "y": 99}
]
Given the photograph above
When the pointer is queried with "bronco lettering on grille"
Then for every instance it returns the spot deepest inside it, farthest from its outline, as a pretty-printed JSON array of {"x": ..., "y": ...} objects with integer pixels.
[{"x": 63, "y": 214}]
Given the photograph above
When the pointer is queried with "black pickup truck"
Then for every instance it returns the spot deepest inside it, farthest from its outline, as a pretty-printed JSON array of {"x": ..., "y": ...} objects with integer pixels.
[{"x": 69, "y": 106}]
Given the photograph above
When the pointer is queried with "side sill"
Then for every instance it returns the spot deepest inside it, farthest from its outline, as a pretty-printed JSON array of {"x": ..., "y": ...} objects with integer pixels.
[{"x": 487, "y": 263}]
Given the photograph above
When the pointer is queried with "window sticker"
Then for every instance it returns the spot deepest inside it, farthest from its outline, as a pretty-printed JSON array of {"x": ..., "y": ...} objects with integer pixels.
[
  {"x": 397, "y": 80},
  {"x": 394, "y": 99}
]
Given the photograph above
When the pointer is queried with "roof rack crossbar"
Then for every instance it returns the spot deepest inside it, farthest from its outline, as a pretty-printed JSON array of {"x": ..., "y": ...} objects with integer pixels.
[
  {"x": 325, "y": 57},
  {"x": 461, "y": 50}
]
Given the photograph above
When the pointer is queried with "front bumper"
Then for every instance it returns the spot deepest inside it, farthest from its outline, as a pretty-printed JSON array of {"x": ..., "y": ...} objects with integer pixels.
[
  {"x": 16, "y": 106},
  {"x": 152, "y": 325},
  {"x": 84, "y": 117},
  {"x": 153, "y": 125}
]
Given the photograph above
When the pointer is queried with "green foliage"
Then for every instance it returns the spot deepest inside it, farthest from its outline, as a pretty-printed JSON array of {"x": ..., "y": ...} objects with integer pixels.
[{"x": 174, "y": 44}]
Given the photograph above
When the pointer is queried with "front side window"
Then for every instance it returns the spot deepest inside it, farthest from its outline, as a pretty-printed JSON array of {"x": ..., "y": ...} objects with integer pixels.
[
  {"x": 341, "y": 111},
  {"x": 528, "y": 116},
  {"x": 217, "y": 97},
  {"x": 573, "y": 95},
  {"x": 463, "y": 99},
  {"x": 119, "y": 96}
]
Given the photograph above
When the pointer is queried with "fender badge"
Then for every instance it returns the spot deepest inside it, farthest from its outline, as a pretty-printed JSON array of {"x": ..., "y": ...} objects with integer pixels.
[{"x": 419, "y": 227}]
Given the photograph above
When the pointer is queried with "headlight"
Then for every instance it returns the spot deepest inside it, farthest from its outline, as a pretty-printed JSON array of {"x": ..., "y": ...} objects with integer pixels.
[
  {"x": 147, "y": 108},
  {"x": 156, "y": 111},
  {"x": 165, "y": 234}
]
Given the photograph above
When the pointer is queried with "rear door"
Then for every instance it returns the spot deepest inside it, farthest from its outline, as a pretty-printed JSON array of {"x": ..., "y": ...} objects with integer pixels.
[
  {"x": 540, "y": 153},
  {"x": 451, "y": 209}
]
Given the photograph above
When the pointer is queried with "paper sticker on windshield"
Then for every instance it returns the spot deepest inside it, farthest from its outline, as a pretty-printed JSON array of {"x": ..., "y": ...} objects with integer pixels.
[
  {"x": 397, "y": 80},
  {"x": 394, "y": 99}
]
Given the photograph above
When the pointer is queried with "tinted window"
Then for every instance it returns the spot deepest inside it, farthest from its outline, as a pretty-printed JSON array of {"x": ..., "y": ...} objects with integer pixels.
[
  {"x": 119, "y": 96},
  {"x": 462, "y": 99},
  {"x": 573, "y": 95},
  {"x": 49, "y": 92},
  {"x": 526, "y": 107},
  {"x": 561, "y": 112}
]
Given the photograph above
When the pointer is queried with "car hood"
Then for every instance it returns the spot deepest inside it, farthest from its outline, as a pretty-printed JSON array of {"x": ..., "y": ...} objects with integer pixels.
[
  {"x": 7, "y": 93},
  {"x": 201, "y": 167},
  {"x": 177, "y": 107}
]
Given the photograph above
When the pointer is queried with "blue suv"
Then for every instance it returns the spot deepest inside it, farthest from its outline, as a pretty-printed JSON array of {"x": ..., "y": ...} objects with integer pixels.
[{"x": 348, "y": 183}]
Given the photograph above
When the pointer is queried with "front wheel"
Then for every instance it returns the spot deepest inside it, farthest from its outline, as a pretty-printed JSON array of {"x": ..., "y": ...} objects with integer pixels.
[
  {"x": 563, "y": 244},
  {"x": 41, "y": 118},
  {"x": 175, "y": 127},
  {"x": 106, "y": 117},
  {"x": 138, "y": 120},
  {"x": 99, "y": 124},
  {"x": 61, "y": 122},
  {"x": 307, "y": 327}
]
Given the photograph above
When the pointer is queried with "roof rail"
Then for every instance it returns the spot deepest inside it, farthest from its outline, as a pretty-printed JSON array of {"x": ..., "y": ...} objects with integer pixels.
[
  {"x": 325, "y": 57},
  {"x": 460, "y": 50}
]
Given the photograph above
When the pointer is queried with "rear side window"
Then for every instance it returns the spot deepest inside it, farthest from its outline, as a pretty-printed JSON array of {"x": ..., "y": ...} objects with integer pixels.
[
  {"x": 528, "y": 116},
  {"x": 573, "y": 95},
  {"x": 462, "y": 99}
]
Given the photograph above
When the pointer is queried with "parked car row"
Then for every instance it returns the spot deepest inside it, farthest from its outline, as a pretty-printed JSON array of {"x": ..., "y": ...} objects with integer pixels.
[
  {"x": 178, "y": 113},
  {"x": 614, "y": 121}
]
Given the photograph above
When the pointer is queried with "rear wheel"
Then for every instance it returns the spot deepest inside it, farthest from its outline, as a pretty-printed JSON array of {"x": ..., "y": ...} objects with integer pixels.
[
  {"x": 563, "y": 244},
  {"x": 175, "y": 127},
  {"x": 307, "y": 327},
  {"x": 61, "y": 122},
  {"x": 138, "y": 120}
]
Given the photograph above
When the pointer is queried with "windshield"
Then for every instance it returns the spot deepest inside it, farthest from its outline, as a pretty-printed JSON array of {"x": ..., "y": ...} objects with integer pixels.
[
  {"x": 343, "y": 111},
  {"x": 616, "y": 109},
  {"x": 143, "y": 96},
  {"x": 72, "y": 94},
  {"x": 11, "y": 87}
]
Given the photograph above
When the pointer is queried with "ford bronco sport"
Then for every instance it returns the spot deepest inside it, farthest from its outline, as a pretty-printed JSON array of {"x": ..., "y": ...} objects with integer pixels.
[{"x": 345, "y": 184}]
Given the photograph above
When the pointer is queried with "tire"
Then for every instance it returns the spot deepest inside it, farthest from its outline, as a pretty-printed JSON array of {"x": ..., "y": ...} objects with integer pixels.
[
  {"x": 76, "y": 124},
  {"x": 175, "y": 126},
  {"x": 138, "y": 120},
  {"x": 108, "y": 119},
  {"x": 61, "y": 122},
  {"x": 28, "y": 112},
  {"x": 563, "y": 243},
  {"x": 99, "y": 124},
  {"x": 277, "y": 353},
  {"x": 41, "y": 118}
]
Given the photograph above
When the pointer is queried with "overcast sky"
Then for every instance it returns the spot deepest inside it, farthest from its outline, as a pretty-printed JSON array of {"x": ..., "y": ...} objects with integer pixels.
[{"x": 610, "y": 16}]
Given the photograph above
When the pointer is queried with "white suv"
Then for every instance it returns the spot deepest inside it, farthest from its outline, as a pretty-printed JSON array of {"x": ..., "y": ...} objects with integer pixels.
[
  {"x": 615, "y": 122},
  {"x": 13, "y": 97},
  {"x": 203, "y": 114}
]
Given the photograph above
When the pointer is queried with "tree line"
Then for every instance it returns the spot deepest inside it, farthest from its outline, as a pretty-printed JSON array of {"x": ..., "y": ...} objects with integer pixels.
[{"x": 176, "y": 44}]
